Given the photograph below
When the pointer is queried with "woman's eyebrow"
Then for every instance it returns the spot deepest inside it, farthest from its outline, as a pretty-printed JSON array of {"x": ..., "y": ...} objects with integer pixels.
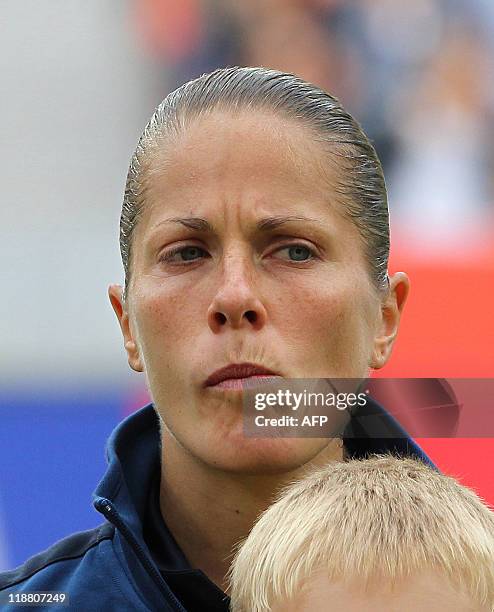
[
  {"x": 266, "y": 224},
  {"x": 271, "y": 223}
]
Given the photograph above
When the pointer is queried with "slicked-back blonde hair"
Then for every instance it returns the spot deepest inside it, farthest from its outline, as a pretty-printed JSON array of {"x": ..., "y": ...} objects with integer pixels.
[{"x": 382, "y": 518}]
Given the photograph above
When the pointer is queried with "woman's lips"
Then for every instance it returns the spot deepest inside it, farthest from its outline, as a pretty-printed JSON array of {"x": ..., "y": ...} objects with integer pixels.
[
  {"x": 246, "y": 382},
  {"x": 238, "y": 371}
]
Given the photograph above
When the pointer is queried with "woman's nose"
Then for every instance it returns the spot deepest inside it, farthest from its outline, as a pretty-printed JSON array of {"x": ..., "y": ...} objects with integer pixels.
[{"x": 236, "y": 303}]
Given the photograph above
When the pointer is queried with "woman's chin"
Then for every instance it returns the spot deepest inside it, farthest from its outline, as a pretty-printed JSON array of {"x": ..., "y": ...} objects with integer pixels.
[{"x": 237, "y": 452}]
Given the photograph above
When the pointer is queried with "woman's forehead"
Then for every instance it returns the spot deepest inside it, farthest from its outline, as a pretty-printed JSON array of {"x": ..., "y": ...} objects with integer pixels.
[
  {"x": 264, "y": 158},
  {"x": 223, "y": 142}
]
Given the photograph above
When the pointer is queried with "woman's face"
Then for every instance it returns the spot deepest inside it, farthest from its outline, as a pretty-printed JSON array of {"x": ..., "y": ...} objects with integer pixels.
[{"x": 294, "y": 296}]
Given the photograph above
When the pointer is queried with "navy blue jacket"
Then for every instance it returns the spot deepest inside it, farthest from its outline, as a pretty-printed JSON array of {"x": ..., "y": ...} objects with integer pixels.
[{"x": 110, "y": 567}]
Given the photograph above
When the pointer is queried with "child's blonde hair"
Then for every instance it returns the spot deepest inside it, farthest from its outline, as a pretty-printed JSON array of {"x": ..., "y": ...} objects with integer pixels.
[{"x": 373, "y": 519}]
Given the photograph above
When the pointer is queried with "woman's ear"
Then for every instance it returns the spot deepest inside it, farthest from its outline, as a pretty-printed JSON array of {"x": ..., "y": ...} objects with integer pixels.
[
  {"x": 115, "y": 293},
  {"x": 391, "y": 311}
]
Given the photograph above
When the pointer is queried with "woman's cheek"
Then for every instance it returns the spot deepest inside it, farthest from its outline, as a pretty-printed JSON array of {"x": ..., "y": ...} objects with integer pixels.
[{"x": 161, "y": 314}]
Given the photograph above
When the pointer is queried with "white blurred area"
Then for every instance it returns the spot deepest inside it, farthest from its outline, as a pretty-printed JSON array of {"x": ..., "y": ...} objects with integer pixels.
[{"x": 76, "y": 93}]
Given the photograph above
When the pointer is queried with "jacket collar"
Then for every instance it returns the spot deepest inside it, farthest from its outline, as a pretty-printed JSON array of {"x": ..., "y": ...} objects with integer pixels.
[{"x": 133, "y": 454}]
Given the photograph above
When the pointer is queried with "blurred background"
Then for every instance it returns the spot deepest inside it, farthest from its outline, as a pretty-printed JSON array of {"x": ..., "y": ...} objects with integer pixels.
[{"x": 80, "y": 80}]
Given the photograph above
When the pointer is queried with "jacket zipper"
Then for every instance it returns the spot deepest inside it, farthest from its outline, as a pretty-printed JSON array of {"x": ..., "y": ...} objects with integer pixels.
[{"x": 106, "y": 508}]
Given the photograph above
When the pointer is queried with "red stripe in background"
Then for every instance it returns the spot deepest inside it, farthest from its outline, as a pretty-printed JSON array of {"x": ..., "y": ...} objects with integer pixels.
[
  {"x": 447, "y": 330},
  {"x": 469, "y": 460}
]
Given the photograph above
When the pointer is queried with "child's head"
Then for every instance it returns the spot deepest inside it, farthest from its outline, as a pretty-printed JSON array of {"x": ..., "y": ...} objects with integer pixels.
[{"x": 366, "y": 536}]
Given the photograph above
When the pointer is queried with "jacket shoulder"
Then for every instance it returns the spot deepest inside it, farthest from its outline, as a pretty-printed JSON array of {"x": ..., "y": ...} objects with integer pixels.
[{"x": 72, "y": 547}]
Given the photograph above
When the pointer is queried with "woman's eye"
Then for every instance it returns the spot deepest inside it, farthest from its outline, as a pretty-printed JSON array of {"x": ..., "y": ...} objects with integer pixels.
[
  {"x": 298, "y": 252},
  {"x": 186, "y": 253}
]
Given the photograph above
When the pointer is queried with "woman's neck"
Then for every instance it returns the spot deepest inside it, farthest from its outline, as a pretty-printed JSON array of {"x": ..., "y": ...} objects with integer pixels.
[{"x": 209, "y": 511}]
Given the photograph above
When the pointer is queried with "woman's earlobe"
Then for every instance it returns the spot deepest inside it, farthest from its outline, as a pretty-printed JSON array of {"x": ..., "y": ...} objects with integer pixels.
[
  {"x": 378, "y": 359},
  {"x": 134, "y": 356},
  {"x": 391, "y": 311},
  {"x": 115, "y": 293}
]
